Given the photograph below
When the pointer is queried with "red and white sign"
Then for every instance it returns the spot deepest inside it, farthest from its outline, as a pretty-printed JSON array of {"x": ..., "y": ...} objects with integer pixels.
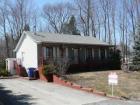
[{"x": 113, "y": 78}]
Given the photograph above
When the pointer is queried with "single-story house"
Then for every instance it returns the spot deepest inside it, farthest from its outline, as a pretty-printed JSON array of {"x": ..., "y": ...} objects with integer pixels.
[{"x": 34, "y": 49}]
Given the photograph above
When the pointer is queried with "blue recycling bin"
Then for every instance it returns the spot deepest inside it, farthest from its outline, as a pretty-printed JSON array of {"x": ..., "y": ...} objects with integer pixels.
[{"x": 31, "y": 72}]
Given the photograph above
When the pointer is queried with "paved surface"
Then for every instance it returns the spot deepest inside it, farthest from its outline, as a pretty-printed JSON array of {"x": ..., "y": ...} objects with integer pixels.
[
  {"x": 115, "y": 102},
  {"x": 25, "y": 92}
]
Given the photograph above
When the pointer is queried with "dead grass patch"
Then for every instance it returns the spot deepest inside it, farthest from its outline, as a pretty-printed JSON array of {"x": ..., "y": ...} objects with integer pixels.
[{"x": 128, "y": 83}]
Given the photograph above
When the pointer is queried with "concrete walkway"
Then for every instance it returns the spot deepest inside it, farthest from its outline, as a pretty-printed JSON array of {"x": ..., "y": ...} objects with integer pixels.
[{"x": 25, "y": 92}]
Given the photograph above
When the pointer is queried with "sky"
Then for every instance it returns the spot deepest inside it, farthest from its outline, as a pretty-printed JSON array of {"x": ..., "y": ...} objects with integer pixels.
[{"x": 40, "y": 3}]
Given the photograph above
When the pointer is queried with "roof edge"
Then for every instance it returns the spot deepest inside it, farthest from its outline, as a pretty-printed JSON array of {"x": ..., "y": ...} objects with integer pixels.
[
  {"x": 19, "y": 42},
  {"x": 21, "y": 39}
]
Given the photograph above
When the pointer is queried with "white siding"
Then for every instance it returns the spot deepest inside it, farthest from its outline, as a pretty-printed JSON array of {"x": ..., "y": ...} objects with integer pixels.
[{"x": 27, "y": 53}]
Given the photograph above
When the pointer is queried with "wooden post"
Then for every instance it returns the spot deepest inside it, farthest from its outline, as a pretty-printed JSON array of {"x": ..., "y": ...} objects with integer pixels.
[
  {"x": 54, "y": 52},
  {"x": 42, "y": 55},
  {"x": 66, "y": 52},
  {"x": 105, "y": 53},
  {"x": 58, "y": 52},
  {"x": 92, "y": 53},
  {"x": 99, "y": 53}
]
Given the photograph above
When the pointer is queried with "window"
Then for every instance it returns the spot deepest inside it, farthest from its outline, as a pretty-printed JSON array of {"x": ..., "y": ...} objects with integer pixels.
[
  {"x": 96, "y": 54},
  {"x": 82, "y": 55},
  {"x": 62, "y": 52},
  {"x": 71, "y": 53},
  {"x": 89, "y": 54},
  {"x": 49, "y": 52},
  {"x": 102, "y": 53}
]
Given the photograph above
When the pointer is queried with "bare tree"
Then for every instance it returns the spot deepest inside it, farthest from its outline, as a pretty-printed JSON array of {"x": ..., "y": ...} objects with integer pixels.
[
  {"x": 99, "y": 23},
  {"x": 14, "y": 16},
  {"x": 3, "y": 21},
  {"x": 22, "y": 12},
  {"x": 105, "y": 19},
  {"x": 87, "y": 16},
  {"x": 57, "y": 15},
  {"x": 113, "y": 16},
  {"x": 82, "y": 18},
  {"x": 131, "y": 11},
  {"x": 104, "y": 10},
  {"x": 107, "y": 6}
]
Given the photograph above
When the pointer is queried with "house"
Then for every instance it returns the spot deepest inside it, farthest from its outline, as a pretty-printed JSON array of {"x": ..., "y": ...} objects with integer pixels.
[{"x": 34, "y": 49}]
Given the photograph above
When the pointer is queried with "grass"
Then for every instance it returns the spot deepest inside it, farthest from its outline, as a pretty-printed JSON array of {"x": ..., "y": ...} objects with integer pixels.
[{"x": 128, "y": 83}]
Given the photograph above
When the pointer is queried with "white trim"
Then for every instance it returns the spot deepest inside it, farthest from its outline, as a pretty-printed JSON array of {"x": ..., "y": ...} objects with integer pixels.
[
  {"x": 20, "y": 41},
  {"x": 24, "y": 34}
]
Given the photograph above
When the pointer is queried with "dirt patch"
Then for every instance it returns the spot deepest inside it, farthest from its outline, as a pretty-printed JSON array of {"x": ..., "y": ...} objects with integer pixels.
[{"x": 128, "y": 83}]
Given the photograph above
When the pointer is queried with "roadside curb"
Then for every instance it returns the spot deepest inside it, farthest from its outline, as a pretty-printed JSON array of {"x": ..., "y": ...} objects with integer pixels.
[{"x": 60, "y": 81}]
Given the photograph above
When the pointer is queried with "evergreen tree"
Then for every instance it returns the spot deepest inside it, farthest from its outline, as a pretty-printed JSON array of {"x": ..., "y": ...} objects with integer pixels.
[
  {"x": 70, "y": 28},
  {"x": 65, "y": 29},
  {"x": 26, "y": 27},
  {"x": 136, "y": 48}
]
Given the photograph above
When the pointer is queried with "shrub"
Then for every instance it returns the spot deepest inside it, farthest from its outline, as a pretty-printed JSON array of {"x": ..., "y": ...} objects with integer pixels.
[
  {"x": 115, "y": 59},
  {"x": 4, "y": 73},
  {"x": 62, "y": 68},
  {"x": 2, "y": 65},
  {"x": 50, "y": 69}
]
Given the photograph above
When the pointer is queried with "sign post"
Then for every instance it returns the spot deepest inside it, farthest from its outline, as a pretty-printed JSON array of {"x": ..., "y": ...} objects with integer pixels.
[
  {"x": 113, "y": 80},
  {"x": 112, "y": 90}
]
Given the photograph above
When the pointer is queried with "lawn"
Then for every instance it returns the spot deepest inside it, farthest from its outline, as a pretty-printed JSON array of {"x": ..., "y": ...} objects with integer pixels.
[{"x": 128, "y": 83}]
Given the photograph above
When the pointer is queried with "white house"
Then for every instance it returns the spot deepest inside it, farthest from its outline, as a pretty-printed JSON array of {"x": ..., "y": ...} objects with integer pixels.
[{"x": 34, "y": 49}]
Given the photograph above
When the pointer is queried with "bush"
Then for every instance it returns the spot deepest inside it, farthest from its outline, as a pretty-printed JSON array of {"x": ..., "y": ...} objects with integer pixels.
[
  {"x": 4, "y": 73},
  {"x": 115, "y": 59},
  {"x": 59, "y": 68},
  {"x": 50, "y": 69},
  {"x": 2, "y": 65},
  {"x": 62, "y": 68}
]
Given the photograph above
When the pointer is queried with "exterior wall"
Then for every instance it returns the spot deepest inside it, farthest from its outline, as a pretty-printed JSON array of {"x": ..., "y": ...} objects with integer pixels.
[
  {"x": 27, "y": 53},
  {"x": 10, "y": 65},
  {"x": 75, "y": 54},
  {"x": 98, "y": 60}
]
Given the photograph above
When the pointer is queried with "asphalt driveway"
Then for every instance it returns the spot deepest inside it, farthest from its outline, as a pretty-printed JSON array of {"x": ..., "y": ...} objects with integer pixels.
[{"x": 24, "y": 92}]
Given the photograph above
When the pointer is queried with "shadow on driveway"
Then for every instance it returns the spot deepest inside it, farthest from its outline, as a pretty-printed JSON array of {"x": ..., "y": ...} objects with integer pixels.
[{"x": 8, "y": 98}]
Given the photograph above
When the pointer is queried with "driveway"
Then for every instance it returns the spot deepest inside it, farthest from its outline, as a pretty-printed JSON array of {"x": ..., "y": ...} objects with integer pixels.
[{"x": 24, "y": 92}]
